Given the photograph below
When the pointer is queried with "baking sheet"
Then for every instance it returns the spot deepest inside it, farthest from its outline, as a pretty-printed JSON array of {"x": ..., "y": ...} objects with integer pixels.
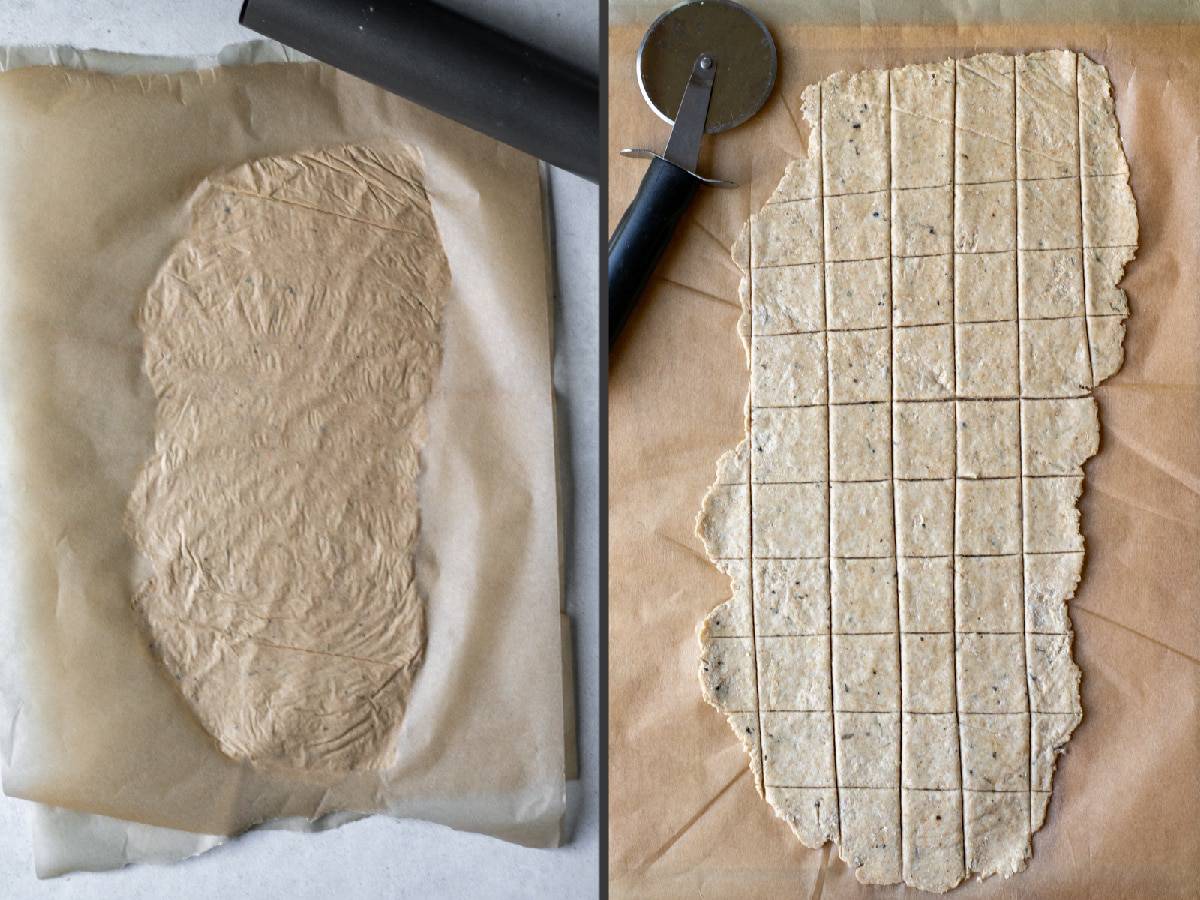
[
  {"x": 684, "y": 816},
  {"x": 95, "y": 175}
]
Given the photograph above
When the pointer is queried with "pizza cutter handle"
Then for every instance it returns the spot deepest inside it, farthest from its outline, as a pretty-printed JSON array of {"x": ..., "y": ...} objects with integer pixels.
[{"x": 642, "y": 235}]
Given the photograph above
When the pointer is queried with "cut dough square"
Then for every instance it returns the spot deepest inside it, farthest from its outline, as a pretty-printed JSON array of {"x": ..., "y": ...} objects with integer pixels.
[
  {"x": 791, "y": 596},
  {"x": 987, "y": 360},
  {"x": 786, "y": 234},
  {"x": 733, "y": 466},
  {"x": 1106, "y": 334},
  {"x": 1059, "y": 435},
  {"x": 870, "y": 833},
  {"x": 989, "y": 516},
  {"x": 1047, "y": 115},
  {"x": 811, "y": 813},
  {"x": 991, "y": 673},
  {"x": 988, "y": 594},
  {"x": 1039, "y": 802},
  {"x": 797, "y": 748},
  {"x": 931, "y": 760},
  {"x": 859, "y": 293},
  {"x": 926, "y": 594},
  {"x": 857, "y": 226},
  {"x": 933, "y": 839},
  {"x": 985, "y": 128},
  {"x": 864, "y": 595},
  {"x": 786, "y": 684},
  {"x": 1051, "y": 283},
  {"x": 727, "y": 673},
  {"x": 985, "y": 286},
  {"x": 860, "y": 369},
  {"x": 1049, "y": 214},
  {"x": 1050, "y": 733},
  {"x": 866, "y": 673},
  {"x": 925, "y": 517},
  {"x": 861, "y": 446},
  {"x": 995, "y": 752},
  {"x": 779, "y": 532},
  {"x": 854, "y": 130},
  {"x": 788, "y": 299},
  {"x": 1111, "y": 219},
  {"x": 922, "y": 104},
  {"x": 922, "y": 290},
  {"x": 923, "y": 440},
  {"x": 868, "y": 749},
  {"x": 789, "y": 370},
  {"x": 997, "y": 831},
  {"x": 1101, "y": 152},
  {"x": 789, "y": 443},
  {"x": 1054, "y": 358},
  {"x": 1051, "y": 519},
  {"x": 923, "y": 362},
  {"x": 928, "y": 674},
  {"x": 1050, "y": 580},
  {"x": 861, "y": 520},
  {"x": 987, "y": 439},
  {"x": 724, "y": 524},
  {"x": 985, "y": 217},
  {"x": 732, "y": 618},
  {"x": 1053, "y": 675},
  {"x": 1104, "y": 266},
  {"x": 922, "y": 221}
]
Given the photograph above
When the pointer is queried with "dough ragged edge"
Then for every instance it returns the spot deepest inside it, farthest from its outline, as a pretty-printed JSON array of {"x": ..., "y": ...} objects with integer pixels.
[
  {"x": 727, "y": 673},
  {"x": 292, "y": 339}
]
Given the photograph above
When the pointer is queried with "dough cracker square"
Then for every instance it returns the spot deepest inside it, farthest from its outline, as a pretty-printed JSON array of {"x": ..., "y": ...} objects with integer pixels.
[
  {"x": 1101, "y": 152},
  {"x": 933, "y": 839},
  {"x": 859, "y": 366},
  {"x": 811, "y": 813},
  {"x": 1103, "y": 267},
  {"x": 868, "y": 749},
  {"x": 1111, "y": 219},
  {"x": 989, "y": 516},
  {"x": 987, "y": 439},
  {"x": 1049, "y": 214},
  {"x": 861, "y": 519},
  {"x": 923, "y": 362},
  {"x": 991, "y": 673},
  {"x": 871, "y": 833},
  {"x": 988, "y": 594},
  {"x": 857, "y": 226},
  {"x": 931, "y": 760},
  {"x": 790, "y": 520},
  {"x": 995, "y": 752},
  {"x": 1047, "y": 115},
  {"x": 1055, "y": 361},
  {"x": 923, "y": 439},
  {"x": 985, "y": 217},
  {"x": 861, "y": 441},
  {"x": 1051, "y": 283},
  {"x": 922, "y": 138},
  {"x": 997, "y": 831},
  {"x": 859, "y": 293},
  {"x": 925, "y": 517},
  {"x": 1059, "y": 435},
  {"x": 1050, "y": 733},
  {"x": 732, "y": 618},
  {"x": 793, "y": 673},
  {"x": 724, "y": 524},
  {"x": 791, "y": 596},
  {"x": 985, "y": 286},
  {"x": 1106, "y": 334},
  {"x": 786, "y": 234},
  {"x": 788, "y": 299},
  {"x": 985, "y": 127},
  {"x": 866, "y": 673},
  {"x": 928, "y": 674},
  {"x": 854, "y": 132},
  {"x": 922, "y": 290},
  {"x": 864, "y": 595},
  {"x": 798, "y": 748},
  {"x": 727, "y": 673},
  {"x": 788, "y": 370},
  {"x": 790, "y": 443},
  {"x": 926, "y": 594},
  {"x": 922, "y": 220},
  {"x": 1051, "y": 519},
  {"x": 1050, "y": 580},
  {"x": 987, "y": 360},
  {"x": 1053, "y": 675}
]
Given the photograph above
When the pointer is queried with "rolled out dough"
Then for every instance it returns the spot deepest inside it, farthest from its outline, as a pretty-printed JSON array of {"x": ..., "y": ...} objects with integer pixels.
[
  {"x": 929, "y": 298},
  {"x": 292, "y": 338}
]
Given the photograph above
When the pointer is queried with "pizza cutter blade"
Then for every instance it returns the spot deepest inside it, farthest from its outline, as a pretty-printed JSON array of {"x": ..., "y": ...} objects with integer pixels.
[{"x": 704, "y": 66}]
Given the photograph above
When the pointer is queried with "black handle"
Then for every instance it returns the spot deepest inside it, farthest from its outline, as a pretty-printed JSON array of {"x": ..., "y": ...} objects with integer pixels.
[{"x": 641, "y": 237}]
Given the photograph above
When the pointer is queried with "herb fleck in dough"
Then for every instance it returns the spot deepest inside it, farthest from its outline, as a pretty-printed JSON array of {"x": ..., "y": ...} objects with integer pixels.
[{"x": 931, "y": 296}]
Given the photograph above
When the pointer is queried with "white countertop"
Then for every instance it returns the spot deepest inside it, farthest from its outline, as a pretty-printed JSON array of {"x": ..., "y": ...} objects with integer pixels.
[{"x": 378, "y": 857}]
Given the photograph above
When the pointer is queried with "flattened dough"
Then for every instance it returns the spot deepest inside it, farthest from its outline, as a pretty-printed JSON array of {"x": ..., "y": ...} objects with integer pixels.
[
  {"x": 292, "y": 339},
  {"x": 913, "y": 684}
]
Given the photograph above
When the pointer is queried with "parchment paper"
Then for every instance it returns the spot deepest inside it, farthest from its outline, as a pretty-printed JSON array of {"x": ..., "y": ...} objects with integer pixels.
[
  {"x": 95, "y": 175},
  {"x": 685, "y": 818}
]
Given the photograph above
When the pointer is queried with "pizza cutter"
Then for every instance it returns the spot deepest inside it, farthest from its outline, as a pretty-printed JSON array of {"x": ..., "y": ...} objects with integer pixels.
[{"x": 704, "y": 66}]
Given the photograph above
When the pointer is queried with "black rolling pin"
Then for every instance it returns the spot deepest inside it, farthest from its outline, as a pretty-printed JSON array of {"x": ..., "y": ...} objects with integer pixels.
[{"x": 452, "y": 65}]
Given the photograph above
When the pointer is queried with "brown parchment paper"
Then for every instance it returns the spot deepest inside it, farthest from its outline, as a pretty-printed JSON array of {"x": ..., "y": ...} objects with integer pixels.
[
  {"x": 96, "y": 172},
  {"x": 685, "y": 820}
]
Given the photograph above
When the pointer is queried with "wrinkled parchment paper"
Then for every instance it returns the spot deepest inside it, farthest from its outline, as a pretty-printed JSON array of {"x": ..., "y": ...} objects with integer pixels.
[
  {"x": 95, "y": 175},
  {"x": 685, "y": 819}
]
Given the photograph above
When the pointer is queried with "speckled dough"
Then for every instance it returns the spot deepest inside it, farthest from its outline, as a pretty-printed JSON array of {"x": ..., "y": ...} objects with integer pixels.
[
  {"x": 278, "y": 514},
  {"x": 931, "y": 296}
]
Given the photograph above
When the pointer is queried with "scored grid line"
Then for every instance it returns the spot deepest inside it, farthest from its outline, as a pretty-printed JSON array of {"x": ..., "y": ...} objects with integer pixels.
[
  {"x": 917, "y": 400},
  {"x": 820, "y": 130},
  {"x": 909, "y": 325},
  {"x": 1087, "y": 328},
  {"x": 892, "y": 467},
  {"x": 912, "y": 555},
  {"x": 817, "y": 262},
  {"x": 762, "y": 759}
]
